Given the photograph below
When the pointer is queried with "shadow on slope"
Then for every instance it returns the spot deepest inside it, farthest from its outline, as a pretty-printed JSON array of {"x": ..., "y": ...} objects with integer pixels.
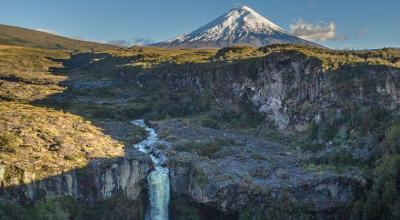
[{"x": 110, "y": 91}]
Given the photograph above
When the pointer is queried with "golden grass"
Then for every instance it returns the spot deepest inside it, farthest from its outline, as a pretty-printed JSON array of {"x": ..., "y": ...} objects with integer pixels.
[
  {"x": 10, "y": 35},
  {"x": 39, "y": 129}
]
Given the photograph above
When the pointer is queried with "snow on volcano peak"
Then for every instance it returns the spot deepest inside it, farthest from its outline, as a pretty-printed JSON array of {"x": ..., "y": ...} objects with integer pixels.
[{"x": 241, "y": 25}]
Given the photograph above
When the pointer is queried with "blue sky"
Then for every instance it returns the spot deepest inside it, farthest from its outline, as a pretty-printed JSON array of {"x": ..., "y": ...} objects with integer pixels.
[{"x": 355, "y": 24}]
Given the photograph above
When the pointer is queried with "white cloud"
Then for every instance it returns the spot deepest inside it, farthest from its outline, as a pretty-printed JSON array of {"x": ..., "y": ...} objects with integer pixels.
[
  {"x": 47, "y": 31},
  {"x": 320, "y": 32}
]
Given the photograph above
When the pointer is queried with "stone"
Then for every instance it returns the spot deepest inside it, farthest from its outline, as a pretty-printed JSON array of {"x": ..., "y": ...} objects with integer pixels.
[{"x": 54, "y": 147}]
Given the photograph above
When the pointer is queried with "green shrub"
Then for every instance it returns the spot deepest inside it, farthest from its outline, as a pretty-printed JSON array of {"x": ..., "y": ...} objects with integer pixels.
[
  {"x": 210, "y": 123},
  {"x": 183, "y": 210},
  {"x": 9, "y": 142},
  {"x": 104, "y": 113},
  {"x": 383, "y": 199},
  {"x": 312, "y": 146},
  {"x": 312, "y": 131},
  {"x": 391, "y": 142},
  {"x": 367, "y": 119},
  {"x": 202, "y": 148},
  {"x": 49, "y": 210},
  {"x": 224, "y": 141},
  {"x": 248, "y": 118},
  {"x": 12, "y": 210},
  {"x": 41, "y": 210}
]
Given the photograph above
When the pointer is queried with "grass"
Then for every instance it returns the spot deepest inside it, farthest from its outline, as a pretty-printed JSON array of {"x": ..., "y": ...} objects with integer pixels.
[
  {"x": 27, "y": 146},
  {"x": 205, "y": 148},
  {"x": 210, "y": 123},
  {"x": 332, "y": 59},
  {"x": 10, "y": 35},
  {"x": 9, "y": 142},
  {"x": 29, "y": 75},
  {"x": 25, "y": 73}
]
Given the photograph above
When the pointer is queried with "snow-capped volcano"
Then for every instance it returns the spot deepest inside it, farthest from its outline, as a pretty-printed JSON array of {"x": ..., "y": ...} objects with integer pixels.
[{"x": 240, "y": 25}]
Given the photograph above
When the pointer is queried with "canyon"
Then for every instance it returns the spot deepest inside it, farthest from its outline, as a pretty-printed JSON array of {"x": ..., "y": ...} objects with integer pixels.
[{"x": 281, "y": 131}]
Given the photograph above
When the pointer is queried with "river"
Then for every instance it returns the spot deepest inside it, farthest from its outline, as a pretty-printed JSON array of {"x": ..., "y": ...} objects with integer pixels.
[{"x": 158, "y": 179}]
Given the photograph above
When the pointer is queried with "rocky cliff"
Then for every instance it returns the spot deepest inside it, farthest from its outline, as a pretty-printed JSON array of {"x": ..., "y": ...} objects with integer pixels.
[
  {"x": 336, "y": 118},
  {"x": 101, "y": 181},
  {"x": 289, "y": 89},
  {"x": 280, "y": 131}
]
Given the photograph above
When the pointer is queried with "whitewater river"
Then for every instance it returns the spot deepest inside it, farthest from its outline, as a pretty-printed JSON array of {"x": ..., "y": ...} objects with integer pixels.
[{"x": 158, "y": 179}]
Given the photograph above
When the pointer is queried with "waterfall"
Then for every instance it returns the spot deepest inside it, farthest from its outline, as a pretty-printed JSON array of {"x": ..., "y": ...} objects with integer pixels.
[{"x": 158, "y": 179}]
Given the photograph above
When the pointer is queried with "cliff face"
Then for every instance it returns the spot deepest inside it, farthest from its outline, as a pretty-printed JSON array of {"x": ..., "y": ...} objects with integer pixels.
[
  {"x": 252, "y": 176},
  {"x": 290, "y": 89},
  {"x": 102, "y": 180},
  {"x": 292, "y": 93},
  {"x": 330, "y": 123}
]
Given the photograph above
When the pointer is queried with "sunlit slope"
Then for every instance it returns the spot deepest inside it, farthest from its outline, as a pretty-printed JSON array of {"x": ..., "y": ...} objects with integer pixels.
[{"x": 10, "y": 35}]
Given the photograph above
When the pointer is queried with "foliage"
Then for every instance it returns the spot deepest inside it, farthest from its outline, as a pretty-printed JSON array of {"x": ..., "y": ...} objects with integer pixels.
[
  {"x": 12, "y": 211},
  {"x": 65, "y": 208},
  {"x": 382, "y": 200},
  {"x": 247, "y": 118},
  {"x": 391, "y": 142},
  {"x": 332, "y": 59},
  {"x": 202, "y": 148},
  {"x": 236, "y": 52},
  {"x": 205, "y": 148},
  {"x": 183, "y": 210},
  {"x": 210, "y": 123},
  {"x": 49, "y": 210},
  {"x": 8, "y": 142}
]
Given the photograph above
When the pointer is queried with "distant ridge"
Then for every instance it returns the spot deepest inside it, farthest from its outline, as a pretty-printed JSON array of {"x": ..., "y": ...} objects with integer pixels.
[
  {"x": 240, "y": 25},
  {"x": 11, "y": 35}
]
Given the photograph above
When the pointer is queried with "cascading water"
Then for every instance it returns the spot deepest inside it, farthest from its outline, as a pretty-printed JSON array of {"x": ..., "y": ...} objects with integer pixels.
[{"x": 158, "y": 179}]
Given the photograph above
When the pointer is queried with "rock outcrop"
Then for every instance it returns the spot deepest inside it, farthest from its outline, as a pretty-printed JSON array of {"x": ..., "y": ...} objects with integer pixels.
[
  {"x": 256, "y": 176},
  {"x": 102, "y": 180},
  {"x": 290, "y": 89}
]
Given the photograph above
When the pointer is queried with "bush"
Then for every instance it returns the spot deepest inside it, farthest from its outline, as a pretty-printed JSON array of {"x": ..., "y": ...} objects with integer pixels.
[
  {"x": 104, "y": 114},
  {"x": 247, "y": 118},
  {"x": 12, "y": 210},
  {"x": 183, "y": 210},
  {"x": 312, "y": 131},
  {"x": 224, "y": 141},
  {"x": 210, "y": 123},
  {"x": 383, "y": 199},
  {"x": 9, "y": 142},
  {"x": 312, "y": 146},
  {"x": 207, "y": 148},
  {"x": 49, "y": 210},
  {"x": 391, "y": 142},
  {"x": 367, "y": 119}
]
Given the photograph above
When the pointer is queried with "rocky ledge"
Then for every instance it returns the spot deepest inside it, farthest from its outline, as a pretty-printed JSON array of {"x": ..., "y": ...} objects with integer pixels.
[
  {"x": 101, "y": 180},
  {"x": 250, "y": 176}
]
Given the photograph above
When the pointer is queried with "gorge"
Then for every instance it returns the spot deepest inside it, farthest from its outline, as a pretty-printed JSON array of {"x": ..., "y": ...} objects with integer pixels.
[
  {"x": 276, "y": 132},
  {"x": 158, "y": 179}
]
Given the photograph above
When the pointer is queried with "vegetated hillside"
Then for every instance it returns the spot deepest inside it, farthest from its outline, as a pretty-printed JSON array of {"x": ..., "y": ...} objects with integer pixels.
[
  {"x": 10, "y": 35},
  {"x": 340, "y": 109},
  {"x": 45, "y": 147},
  {"x": 54, "y": 139},
  {"x": 334, "y": 114}
]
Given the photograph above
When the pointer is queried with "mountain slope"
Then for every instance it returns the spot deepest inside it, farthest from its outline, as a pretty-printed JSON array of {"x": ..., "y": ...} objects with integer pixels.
[
  {"x": 238, "y": 26},
  {"x": 10, "y": 35}
]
